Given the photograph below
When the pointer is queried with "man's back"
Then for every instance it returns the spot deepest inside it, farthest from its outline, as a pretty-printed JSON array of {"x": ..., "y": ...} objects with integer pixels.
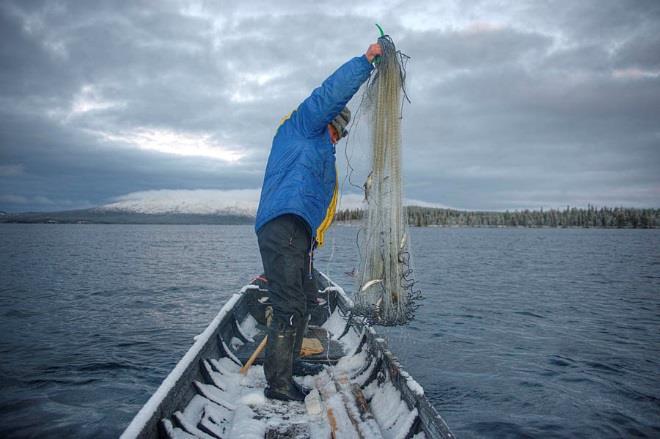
[{"x": 300, "y": 176}]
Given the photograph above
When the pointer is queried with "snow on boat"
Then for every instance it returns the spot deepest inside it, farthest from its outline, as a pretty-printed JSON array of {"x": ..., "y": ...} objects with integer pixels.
[{"x": 362, "y": 393}]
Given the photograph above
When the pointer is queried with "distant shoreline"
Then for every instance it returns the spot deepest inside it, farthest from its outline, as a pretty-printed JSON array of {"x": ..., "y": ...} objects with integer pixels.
[
  {"x": 97, "y": 216},
  {"x": 338, "y": 223},
  {"x": 589, "y": 218},
  {"x": 436, "y": 226},
  {"x": 571, "y": 217}
]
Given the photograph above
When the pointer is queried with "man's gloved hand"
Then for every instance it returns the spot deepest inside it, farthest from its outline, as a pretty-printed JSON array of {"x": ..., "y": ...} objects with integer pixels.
[{"x": 373, "y": 51}]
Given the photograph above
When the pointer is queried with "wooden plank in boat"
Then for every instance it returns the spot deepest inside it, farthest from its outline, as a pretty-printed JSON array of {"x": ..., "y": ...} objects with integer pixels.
[{"x": 331, "y": 357}]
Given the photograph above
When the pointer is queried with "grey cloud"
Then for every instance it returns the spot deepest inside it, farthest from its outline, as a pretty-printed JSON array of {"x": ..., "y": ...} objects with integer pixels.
[
  {"x": 75, "y": 167},
  {"x": 641, "y": 51},
  {"x": 559, "y": 119},
  {"x": 473, "y": 49},
  {"x": 540, "y": 96},
  {"x": 607, "y": 21}
]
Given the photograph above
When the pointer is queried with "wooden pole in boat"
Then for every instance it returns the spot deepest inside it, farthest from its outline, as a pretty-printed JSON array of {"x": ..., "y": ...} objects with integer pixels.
[
  {"x": 262, "y": 345},
  {"x": 333, "y": 423},
  {"x": 254, "y": 355}
]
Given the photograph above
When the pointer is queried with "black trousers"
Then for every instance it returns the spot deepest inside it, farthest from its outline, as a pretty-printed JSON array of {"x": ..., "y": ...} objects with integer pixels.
[{"x": 284, "y": 244}]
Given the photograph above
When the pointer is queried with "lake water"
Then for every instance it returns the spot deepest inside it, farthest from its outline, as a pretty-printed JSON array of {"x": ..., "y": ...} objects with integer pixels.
[{"x": 523, "y": 332}]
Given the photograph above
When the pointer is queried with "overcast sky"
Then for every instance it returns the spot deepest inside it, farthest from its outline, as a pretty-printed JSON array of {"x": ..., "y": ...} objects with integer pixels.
[{"x": 519, "y": 104}]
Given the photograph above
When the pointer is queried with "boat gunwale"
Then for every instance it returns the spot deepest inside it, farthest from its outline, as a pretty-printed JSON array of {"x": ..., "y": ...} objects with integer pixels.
[
  {"x": 433, "y": 425},
  {"x": 145, "y": 422}
]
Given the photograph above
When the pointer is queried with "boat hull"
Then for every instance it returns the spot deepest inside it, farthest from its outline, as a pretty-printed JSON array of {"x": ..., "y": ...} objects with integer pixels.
[{"x": 343, "y": 338}]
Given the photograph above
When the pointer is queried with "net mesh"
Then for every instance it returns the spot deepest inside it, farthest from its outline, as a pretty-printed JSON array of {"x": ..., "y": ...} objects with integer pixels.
[{"x": 386, "y": 293}]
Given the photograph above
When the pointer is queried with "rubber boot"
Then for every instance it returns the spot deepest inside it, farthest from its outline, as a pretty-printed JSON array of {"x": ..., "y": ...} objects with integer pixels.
[
  {"x": 278, "y": 363},
  {"x": 300, "y": 367}
]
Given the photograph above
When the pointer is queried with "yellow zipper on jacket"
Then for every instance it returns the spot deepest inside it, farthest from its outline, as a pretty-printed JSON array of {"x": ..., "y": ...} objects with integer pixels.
[{"x": 329, "y": 215}]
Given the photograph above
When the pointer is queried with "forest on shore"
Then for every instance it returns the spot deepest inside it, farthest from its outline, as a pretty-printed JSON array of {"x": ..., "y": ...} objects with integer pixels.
[{"x": 590, "y": 217}]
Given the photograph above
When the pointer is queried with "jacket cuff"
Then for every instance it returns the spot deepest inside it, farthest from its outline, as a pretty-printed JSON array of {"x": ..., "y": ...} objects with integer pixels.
[{"x": 366, "y": 61}]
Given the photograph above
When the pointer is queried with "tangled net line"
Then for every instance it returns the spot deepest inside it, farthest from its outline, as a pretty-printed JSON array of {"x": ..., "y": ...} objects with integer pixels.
[{"x": 387, "y": 294}]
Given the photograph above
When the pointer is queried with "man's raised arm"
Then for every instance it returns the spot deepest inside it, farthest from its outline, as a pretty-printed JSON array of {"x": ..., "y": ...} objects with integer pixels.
[{"x": 326, "y": 101}]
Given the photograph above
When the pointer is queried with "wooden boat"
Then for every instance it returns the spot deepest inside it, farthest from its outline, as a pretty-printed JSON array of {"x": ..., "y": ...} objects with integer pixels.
[{"x": 363, "y": 392}]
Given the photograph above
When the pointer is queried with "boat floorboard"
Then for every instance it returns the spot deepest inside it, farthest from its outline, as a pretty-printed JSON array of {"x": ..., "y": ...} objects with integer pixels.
[
  {"x": 236, "y": 407},
  {"x": 332, "y": 349}
]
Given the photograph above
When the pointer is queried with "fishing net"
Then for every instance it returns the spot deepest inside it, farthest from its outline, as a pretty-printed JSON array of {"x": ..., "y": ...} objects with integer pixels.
[{"x": 386, "y": 293}]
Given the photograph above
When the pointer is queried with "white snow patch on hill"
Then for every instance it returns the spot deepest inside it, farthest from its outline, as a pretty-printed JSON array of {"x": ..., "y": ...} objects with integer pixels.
[
  {"x": 197, "y": 201},
  {"x": 216, "y": 202},
  {"x": 356, "y": 201}
]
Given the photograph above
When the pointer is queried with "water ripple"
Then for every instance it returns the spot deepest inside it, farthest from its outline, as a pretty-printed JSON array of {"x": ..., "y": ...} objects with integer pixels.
[{"x": 523, "y": 332}]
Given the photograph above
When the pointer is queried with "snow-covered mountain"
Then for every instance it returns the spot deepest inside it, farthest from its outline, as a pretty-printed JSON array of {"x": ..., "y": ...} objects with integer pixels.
[
  {"x": 198, "y": 206},
  {"x": 242, "y": 202}
]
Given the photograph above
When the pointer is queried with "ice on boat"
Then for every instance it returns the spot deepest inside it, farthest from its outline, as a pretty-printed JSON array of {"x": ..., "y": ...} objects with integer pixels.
[
  {"x": 363, "y": 392},
  {"x": 238, "y": 408}
]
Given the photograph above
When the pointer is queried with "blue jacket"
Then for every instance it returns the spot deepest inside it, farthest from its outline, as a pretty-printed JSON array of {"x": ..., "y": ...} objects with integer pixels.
[{"x": 300, "y": 176}]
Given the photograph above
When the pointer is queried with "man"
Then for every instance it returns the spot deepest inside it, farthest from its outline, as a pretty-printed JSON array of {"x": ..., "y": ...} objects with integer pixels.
[{"x": 297, "y": 205}]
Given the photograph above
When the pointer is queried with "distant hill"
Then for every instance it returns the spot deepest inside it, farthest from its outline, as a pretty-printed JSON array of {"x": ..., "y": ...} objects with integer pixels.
[{"x": 114, "y": 216}]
